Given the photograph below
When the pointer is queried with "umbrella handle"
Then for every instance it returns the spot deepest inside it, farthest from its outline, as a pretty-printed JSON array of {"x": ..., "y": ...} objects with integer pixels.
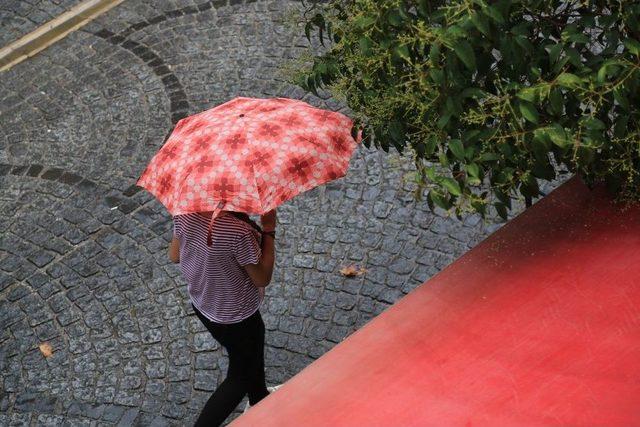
[{"x": 214, "y": 214}]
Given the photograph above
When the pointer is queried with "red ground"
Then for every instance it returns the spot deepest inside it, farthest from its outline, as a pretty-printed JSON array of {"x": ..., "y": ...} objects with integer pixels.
[{"x": 538, "y": 325}]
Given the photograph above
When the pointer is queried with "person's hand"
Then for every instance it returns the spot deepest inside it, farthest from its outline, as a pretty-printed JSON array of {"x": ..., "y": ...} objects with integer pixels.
[{"x": 268, "y": 221}]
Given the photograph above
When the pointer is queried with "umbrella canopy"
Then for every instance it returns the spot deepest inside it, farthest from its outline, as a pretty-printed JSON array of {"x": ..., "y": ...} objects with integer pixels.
[{"x": 248, "y": 155}]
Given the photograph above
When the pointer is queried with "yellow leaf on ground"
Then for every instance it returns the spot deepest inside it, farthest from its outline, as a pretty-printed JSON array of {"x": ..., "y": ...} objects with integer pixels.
[
  {"x": 352, "y": 270},
  {"x": 46, "y": 349}
]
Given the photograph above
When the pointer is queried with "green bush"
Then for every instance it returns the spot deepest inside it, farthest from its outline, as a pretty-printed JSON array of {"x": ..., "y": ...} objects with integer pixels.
[{"x": 490, "y": 96}]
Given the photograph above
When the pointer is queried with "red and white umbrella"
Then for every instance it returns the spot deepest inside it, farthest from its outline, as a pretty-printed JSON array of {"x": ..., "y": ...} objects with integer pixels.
[{"x": 248, "y": 155}]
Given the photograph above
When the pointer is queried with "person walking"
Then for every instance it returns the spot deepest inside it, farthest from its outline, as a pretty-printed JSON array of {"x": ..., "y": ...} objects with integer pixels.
[
  {"x": 226, "y": 283},
  {"x": 245, "y": 155}
]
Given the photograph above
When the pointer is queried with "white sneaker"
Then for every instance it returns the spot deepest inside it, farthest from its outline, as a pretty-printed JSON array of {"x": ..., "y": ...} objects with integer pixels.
[
  {"x": 270, "y": 389},
  {"x": 274, "y": 388}
]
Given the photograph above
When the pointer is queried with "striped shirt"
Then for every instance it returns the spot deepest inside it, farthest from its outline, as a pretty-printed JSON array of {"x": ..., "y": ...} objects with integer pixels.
[{"x": 219, "y": 287}]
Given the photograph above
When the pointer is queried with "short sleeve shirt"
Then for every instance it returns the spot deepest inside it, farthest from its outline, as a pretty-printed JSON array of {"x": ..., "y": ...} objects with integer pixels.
[{"x": 219, "y": 286}]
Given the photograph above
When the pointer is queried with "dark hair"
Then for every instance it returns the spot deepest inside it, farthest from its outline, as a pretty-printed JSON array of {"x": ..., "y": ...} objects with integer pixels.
[{"x": 244, "y": 217}]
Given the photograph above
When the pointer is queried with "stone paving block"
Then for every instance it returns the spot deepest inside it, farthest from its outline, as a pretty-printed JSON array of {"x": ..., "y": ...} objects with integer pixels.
[
  {"x": 202, "y": 341},
  {"x": 178, "y": 373},
  {"x": 129, "y": 417},
  {"x": 290, "y": 325},
  {"x": 127, "y": 398}
]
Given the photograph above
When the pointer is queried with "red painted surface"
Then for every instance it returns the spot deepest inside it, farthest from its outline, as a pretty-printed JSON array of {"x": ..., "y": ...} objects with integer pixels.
[{"x": 538, "y": 325}]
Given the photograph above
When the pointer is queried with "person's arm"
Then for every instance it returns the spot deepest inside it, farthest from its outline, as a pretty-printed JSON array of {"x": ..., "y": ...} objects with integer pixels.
[
  {"x": 261, "y": 272},
  {"x": 174, "y": 250}
]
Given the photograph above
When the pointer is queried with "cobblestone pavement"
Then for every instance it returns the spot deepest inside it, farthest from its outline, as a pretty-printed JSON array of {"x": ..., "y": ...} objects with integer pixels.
[
  {"x": 83, "y": 253},
  {"x": 20, "y": 17}
]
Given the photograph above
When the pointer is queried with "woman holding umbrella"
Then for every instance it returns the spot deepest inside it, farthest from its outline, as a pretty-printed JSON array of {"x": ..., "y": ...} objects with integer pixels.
[
  {"x": 246, "y": 156},
  {"x": 226, "y": 286}
]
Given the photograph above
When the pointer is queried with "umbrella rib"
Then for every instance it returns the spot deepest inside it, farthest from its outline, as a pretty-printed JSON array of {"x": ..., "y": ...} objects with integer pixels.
[
  {"x": 179, "y": 193},
  {"x": 255, "y": 182}
]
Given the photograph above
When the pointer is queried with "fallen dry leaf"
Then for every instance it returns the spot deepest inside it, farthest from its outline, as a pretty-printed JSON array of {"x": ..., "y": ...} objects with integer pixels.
[
  {"x": 352, "y": 270},
  {"x": 46, "y": 349}
]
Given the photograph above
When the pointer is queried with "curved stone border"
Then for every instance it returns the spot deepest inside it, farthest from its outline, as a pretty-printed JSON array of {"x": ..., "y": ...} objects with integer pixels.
[
  {"x": 172, "y": 86},
  {"x": 51, "y": 174},
  {"x": 174, "y": 89},
  {"x": 125, "y": 205},
  {"x": 188, "y": 10}
]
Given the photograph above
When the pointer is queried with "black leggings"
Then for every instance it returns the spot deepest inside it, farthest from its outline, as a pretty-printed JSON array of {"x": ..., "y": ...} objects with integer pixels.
[{"x": 244, "y": 342}]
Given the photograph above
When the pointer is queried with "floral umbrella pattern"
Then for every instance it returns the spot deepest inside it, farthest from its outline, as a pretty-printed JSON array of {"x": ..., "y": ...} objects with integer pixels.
[{"x": 249, "y": 155}]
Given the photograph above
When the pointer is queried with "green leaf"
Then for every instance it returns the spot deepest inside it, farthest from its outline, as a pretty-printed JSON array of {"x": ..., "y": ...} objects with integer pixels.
[
  {"x": 450, "y": 106},
  {"x": 423, "y": 7},
  {"x": 430, "y": 201},
  {"x": 473, "y": 181},
  {"x": 471, "y": 136},
  {"x": 541, "y": 143},
  {"x": 366, "y": 46},
  {"x": 456, "y": 32},
  {"x": 529, "y": 112},
  {"x": 525, "y": 44},
  {"x": 430, "y": 146},
  {"x": 355, "y": 129},
  {"x": 504, "y": 199},
  {"x": 320, "y": 67},
  {"x": 489, "y": 157},
  {"x": 439, "y": 200},
  {"x": 558, "y": 136},
  {"x": 434, "y": 53},
  {"x": 481, "y": 23},
  {"x": 529, "y": 186},
  {"x": 574, "y": 57},
  {"x": 452, "y": 186},
  {"x": 585, "y": 155},
  {"x": 620, "y": 128},
  {"x": 473, "y": 169},
  {"x": 469, "y": 152},
  {"x": 556, "y": 101},
  {"x": 528, "y": 94},
  {"x": 480, "y": 207},
  {"x": 507, "y": 151},
  {"x": 444, "y": 160},
  {"x": 397, "y": 132},
  {"x": 543, "y": 170},
  {"x": 437, "y": 75},
  {"x": 311, "y": 84},
  {"x": 502, "y": 210},
  {"x": 363, "y": 21},
  {"x": 554, "y": 52},
  {"x": 431, "y": 173},
  {"x": 494, "y": 13},
  {"x": 560, "y": 65},
  {"x": 621, "y": 98},
  {"x": 578, "y": 38},
  {"x": 394, "y": 17},
  {"x": 601, "y": 77},
  {"x": 456, "y": 147},
  {"x": 464, "y": 51},
  {"x": 403, "y": 52},
  {"x": 632, "y": 46},
  {"x": 442, "y": 121},
  {"x": 568, "y": 80},
  {"x": 592, "y": 123}
]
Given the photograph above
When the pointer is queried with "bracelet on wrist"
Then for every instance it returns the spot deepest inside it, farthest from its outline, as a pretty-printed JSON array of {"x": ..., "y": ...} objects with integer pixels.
[{"x": 271, "y": 233}]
